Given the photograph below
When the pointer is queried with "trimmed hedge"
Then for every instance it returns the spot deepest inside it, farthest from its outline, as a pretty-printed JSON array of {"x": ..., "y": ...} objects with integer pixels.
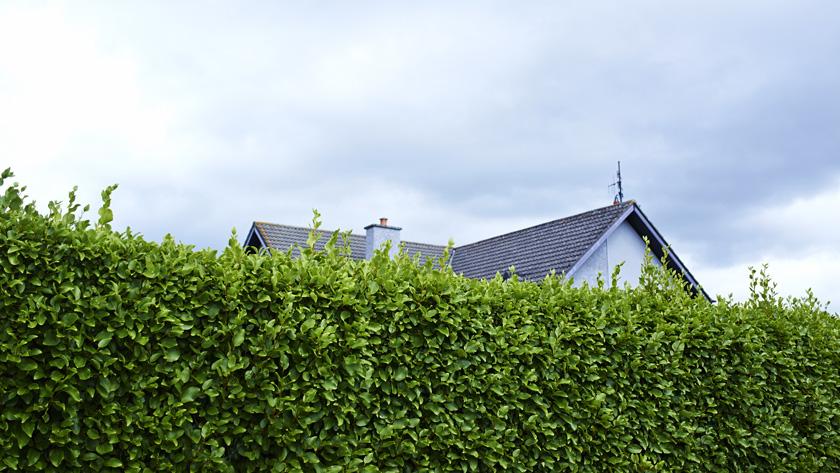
[{"x": 120, "y": 353}]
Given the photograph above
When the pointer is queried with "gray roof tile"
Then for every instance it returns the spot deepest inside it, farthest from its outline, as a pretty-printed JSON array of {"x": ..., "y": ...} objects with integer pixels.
[
  {"x": 535, "y": 251},
  {"x": 283, "y": 237}
]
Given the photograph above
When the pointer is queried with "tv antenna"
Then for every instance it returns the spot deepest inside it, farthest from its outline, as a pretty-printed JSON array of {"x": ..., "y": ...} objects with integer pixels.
[{"x": 618, "y": 196}]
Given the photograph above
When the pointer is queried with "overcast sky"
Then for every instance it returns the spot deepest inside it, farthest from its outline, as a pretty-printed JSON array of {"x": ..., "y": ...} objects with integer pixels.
[{"x": 454, "y": 119}]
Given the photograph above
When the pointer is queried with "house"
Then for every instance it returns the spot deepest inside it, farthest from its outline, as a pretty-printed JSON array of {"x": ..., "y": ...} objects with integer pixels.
[{"x": 581, "y": 246}]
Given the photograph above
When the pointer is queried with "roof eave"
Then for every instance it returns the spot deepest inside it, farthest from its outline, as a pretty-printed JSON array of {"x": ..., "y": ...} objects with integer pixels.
[{"x": 672, "y": 256}]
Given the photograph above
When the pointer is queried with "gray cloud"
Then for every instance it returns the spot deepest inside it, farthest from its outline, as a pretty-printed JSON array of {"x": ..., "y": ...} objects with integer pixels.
[{"x": 461, "y": 121}]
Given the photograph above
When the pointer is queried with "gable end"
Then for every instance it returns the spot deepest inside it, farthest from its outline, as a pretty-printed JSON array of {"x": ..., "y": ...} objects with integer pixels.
[{"x": 644, "y": 228}]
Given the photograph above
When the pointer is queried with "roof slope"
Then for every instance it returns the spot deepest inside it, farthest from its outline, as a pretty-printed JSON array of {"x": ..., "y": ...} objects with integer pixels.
[
  {"x": 535, "y": 251},
  {"x": 284, "y": 237}
]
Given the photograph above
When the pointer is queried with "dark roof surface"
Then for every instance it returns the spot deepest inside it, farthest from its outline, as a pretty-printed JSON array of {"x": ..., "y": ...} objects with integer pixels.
[
  {"x": 283, "y": 237},
  {"x": 535, "y": 251}
]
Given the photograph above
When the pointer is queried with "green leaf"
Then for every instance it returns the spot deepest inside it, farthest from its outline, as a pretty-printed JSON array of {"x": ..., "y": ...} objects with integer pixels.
[
  {"x": 73, "y": 392},
  {"x": 106, "y": 216},
  {"x": 56, "y": 456},
  {"x": 108, "y": 385},
  {"x": 184, "y": 375},
  {"x": 11, "y": 462},
  {"x": 239, "y": 337},
  {"x": 330, "y": 384},
  {"x": 104, "y": 341},
  {"x": 50, "y": 338},
  {"x": 190, "y": 394},
  {"x": 105, "y": 213},
  {"x": 172, "y": 355},
  {"x": 307, "y": 325},
  {"x": 113, "y": 463},
  {"x": 28, "y": 428},
  {"x": 599, "y": 398},
  {"x": 104, "y": 447},
  {"x": 69, "y": 319}
]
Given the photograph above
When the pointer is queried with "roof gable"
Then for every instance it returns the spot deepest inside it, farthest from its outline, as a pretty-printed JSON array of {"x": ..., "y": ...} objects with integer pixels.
[{"x": 656, "y": 242}]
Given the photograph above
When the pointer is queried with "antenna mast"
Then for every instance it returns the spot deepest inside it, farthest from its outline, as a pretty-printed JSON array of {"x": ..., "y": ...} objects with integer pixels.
[{"x": 619, "y": 197}]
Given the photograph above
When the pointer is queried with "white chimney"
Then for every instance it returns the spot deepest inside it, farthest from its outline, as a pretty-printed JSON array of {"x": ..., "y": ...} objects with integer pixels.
[{"x": 378, "y": 234}]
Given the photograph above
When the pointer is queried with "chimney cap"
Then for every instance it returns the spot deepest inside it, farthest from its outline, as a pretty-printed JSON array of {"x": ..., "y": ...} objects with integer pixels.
[{"x": 383, "y": 223}]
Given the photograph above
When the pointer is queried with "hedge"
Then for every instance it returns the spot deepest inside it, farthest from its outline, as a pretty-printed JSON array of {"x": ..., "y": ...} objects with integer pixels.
[{"x": 120, "y": 353}]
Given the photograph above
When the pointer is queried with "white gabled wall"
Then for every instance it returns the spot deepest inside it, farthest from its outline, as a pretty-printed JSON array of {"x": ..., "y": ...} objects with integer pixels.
[
  {"x": 594, "y": 265},
  {"x": 623, "y": 245},
  {"x": 626, "y": 245}
]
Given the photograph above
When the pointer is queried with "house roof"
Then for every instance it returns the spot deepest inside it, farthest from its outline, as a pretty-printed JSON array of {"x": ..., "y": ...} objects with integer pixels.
[
  {"x": 286, "y": 236},
  {"x": 561, "y": 245},
  {"x": 535, "y": 251}
]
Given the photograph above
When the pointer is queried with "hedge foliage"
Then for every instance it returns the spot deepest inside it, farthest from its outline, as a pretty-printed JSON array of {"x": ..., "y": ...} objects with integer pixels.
[{"x": 119, "y": 353}]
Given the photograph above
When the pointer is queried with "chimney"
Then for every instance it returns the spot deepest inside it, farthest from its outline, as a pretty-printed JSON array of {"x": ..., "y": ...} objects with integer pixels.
[{"x": 378, "y": 234}]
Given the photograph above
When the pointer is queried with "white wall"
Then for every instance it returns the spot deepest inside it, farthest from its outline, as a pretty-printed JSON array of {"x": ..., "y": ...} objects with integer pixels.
[
  {"x": 624, "y": 245},
  {"x": 594, "y": 265}
]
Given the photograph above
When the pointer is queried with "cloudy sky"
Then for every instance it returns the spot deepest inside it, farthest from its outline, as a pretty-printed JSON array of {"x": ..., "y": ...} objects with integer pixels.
[{"x": 454, "y": 119}]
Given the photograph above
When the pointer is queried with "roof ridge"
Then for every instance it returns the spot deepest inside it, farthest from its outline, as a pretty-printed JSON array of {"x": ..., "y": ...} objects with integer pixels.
[
  {"x": 621, "y": 205},
  {"x": 421, "y": 243},
  {"x": 298, "y": 227}
]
